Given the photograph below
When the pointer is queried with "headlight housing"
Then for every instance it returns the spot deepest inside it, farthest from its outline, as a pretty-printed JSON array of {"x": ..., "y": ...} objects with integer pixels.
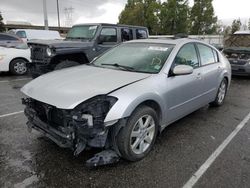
[
  {"x": 49, "y": 52},
  {"x": 94, "y": 110}
]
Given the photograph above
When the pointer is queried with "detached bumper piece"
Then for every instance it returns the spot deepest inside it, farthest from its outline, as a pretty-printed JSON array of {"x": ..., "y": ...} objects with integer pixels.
[{"x": 61, "y": 127}]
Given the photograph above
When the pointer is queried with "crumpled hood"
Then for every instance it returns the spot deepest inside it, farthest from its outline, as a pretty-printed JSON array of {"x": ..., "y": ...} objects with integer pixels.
[
  {"x": 67, "y": 88},
  {"x": 62, "y": 43}
]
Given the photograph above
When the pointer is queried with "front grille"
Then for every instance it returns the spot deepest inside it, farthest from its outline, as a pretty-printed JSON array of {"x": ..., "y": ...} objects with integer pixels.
[
  {"x": 38, "y": 53},
  {"x": 49, "y": 114},
  {"x": 238, "y": 61}
]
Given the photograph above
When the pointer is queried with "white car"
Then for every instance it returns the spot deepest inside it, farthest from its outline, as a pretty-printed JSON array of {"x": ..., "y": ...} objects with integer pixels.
[{"x": 14, "y": 59}]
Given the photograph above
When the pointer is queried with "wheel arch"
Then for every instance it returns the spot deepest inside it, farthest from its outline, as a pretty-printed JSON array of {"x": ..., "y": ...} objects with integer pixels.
[
  {"x": 125, "y": 109},
  {"x": 23, "y": 58}
]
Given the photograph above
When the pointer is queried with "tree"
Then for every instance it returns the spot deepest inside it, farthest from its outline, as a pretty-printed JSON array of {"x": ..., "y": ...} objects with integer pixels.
[
  {"x": 174, "y": 16},
  {"x": 143, "y": 13},
  {"x": 203, "y": 20},
  {"x": 1, "y": 23},
  {"x": 236, "y": 25}
]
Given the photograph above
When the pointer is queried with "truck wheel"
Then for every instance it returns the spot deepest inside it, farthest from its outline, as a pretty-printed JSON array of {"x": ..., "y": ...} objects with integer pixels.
[
  {"x": 66, "y": 64},
  {"x": 137, "y": 137},
  {"x": 221, "y": 94},
  {"x": 18, "y": 67}
]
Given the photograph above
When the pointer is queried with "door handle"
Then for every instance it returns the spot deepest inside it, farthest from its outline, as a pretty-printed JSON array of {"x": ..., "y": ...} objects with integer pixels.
[{"x": 198, "y": 76}]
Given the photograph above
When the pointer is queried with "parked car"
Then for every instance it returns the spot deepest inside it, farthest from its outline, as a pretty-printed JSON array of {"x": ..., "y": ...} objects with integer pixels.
[
  {"x": 35, "y": 34},
  {"x": 237, "y": 50},
  {"x": 14, "y": 59},
  {"x": 124, "y": 98},
  {"x": 9, "y": 40},
  {"x": 83, "y": 43}
]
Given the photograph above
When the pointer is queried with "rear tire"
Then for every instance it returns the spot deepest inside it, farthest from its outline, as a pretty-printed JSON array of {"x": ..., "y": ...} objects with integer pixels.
[
  {"x": 66, "y": 64},
  {"x": 221, "y": 94},
  {"x": 18, "y": 67},
  {"x": 137, "y": 137}
]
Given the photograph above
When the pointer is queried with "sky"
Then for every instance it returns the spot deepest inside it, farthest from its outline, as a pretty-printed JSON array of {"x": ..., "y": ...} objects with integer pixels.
[{"x": 90, "y": 11}]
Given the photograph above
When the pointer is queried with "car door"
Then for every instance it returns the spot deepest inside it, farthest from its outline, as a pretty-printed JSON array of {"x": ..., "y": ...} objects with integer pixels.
[
  {"x": 211, "y": 70},
  {"x": 184, "y": 91},
  {"x": 107, "y": 39}
]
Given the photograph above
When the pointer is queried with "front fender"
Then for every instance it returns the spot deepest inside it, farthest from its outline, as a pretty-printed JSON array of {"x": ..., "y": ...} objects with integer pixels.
[{"x": 127, "y": 104}]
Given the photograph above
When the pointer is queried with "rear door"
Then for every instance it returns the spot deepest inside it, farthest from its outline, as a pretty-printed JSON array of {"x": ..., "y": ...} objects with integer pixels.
[{"x": 210, "y": 70}]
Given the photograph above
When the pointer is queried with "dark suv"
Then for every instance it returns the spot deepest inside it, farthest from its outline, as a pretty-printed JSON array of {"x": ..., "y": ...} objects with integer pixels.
[{"x": 83, "y": 43}]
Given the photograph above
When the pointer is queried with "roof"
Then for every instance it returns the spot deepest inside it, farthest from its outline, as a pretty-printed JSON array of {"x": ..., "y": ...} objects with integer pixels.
[
  {"x": 165, "y": 41},
  {"x": 109, "y": 24}
]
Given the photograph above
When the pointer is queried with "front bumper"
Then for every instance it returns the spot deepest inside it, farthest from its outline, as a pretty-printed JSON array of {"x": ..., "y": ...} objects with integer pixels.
[
  {"x": 241, "y": 70},
  {"x": 37, "y": 69},
  {"x": 62, "y": 129}
]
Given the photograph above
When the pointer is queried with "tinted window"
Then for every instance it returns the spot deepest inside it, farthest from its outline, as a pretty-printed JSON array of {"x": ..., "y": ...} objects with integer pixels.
[
  {"x": 108, "y": 35},
  {"x": 206, "y": 54},
  {"x": 7, "y": 37},
  {"x": 126, "y": 34},
  {"x": 141, "y": 34},
  {"x": 21, "y": 34},
  {"x": 187, "y": 56}
]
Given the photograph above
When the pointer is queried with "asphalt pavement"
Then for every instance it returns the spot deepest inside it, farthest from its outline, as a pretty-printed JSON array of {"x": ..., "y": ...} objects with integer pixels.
[{"x": 180, "y": 152}]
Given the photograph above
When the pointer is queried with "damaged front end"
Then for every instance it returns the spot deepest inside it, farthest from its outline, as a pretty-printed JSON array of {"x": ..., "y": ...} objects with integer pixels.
[{"x": 75, "y": 129}]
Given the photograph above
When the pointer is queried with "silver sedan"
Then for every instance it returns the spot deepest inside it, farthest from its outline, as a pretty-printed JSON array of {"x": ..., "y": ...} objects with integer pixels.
[{"x": 124, "y": 98}]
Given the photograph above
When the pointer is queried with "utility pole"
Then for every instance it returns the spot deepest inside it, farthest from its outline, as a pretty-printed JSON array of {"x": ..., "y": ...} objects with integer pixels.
[
  {"x": 45, "y": 15},
  {"x": 58, "y": 15}
]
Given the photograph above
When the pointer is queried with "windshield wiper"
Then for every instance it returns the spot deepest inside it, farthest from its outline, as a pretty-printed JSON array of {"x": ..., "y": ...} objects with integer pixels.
[{"x": 124, "y": 67}]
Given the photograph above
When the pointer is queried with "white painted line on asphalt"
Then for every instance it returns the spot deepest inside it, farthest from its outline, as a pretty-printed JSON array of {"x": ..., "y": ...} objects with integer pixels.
[
  {"x": 21, "y": 79},
  {"x": 11, "y": 114},
  {"x": 197, "y": 175}
]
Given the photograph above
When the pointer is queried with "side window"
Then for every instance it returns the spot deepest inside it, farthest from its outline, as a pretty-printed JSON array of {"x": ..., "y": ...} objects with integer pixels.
[
  {"x": 206, "y": 54},
  {"x": 7, "y": 37},
  {"x": 187, "y": 56},
  {"x": 141, "y": 34},
  {"x": 21, "y": 34},
  {"x": 108, "y": 35},
  {"x": 216, "y": 58},
  {"x": 127, "y": 34}
]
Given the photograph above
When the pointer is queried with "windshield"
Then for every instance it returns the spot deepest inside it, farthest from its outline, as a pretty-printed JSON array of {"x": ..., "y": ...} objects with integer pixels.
[
  {"x": 137, "y": 57},
  {"x": 82, "y": 32}
]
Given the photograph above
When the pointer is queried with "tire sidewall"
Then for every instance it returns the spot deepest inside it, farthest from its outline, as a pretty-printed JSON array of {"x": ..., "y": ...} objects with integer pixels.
[
  {"x": 124, "y": 135},
  {"x": 217, "y": 96},
  {"x": 12, "y": 64}
]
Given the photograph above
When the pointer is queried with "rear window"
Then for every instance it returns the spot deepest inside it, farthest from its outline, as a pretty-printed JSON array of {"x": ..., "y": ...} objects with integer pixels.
[
  {"x": 141, "y": 34},
  {"x": 7, "y": 37}
]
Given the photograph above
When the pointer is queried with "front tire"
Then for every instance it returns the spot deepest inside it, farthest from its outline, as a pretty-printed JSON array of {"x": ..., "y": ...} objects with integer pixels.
[
  {"x": 66, "y": 64},
  {"x": 221, "y": 94},
  {"x": 18, "y": 67},
  {"x": 137, "y": 137}
]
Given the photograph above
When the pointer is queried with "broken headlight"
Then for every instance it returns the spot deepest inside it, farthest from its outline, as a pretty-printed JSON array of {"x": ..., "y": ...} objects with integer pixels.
[{"x": 93, "y": 111}]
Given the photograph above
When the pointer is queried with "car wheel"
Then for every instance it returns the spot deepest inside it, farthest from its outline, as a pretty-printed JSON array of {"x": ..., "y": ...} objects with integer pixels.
[
  {"x": 66, "y": 64},
  {"x": 137, "y": 137},
  {"x": 18, "y": 67},
  {"x": 221, "y": 94}
]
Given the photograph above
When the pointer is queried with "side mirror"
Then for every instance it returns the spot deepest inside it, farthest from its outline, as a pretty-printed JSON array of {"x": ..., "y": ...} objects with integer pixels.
[{"x": 183, "y": 70}]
